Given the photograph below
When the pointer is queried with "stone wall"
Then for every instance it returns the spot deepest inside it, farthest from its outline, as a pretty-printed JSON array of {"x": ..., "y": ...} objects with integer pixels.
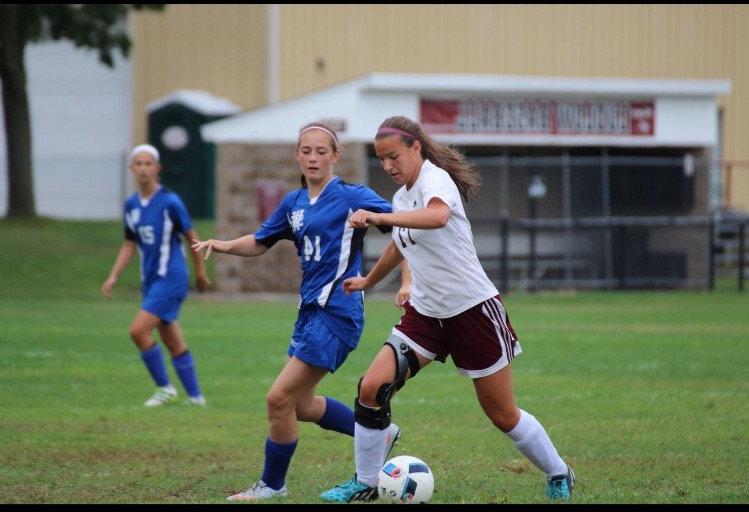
[{"x": 240, "y": 168}]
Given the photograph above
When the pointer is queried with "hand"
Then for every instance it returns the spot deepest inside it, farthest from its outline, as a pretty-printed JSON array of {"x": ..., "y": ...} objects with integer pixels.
[
  {"x": 363, "y": 219},
  {"x": 209, "y": 246},
  {"x": 403, "y": 294},
  {"x": 355, "y": 284},
  {"x": 106, "y": 287},
  {"x": 202, "y": 282}
]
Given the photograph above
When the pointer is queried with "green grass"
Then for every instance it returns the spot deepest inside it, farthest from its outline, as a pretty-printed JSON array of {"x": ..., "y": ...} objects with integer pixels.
[{"x": 645, "y": 394}]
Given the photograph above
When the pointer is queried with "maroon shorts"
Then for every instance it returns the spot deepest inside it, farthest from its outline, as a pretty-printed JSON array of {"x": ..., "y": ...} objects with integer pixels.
[{"x": 480, "y": 340}]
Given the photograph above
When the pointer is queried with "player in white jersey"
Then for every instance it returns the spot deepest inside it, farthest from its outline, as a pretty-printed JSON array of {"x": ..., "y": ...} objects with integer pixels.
[
  {"x": 155, "y": 222},
  {"x": 330, "y": 321},
  {"x": 454, "y": 308}
]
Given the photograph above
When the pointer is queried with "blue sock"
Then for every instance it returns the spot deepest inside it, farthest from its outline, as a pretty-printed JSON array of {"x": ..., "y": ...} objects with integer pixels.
[
  {"x": 185, "y": 368},
  {"x": 154, "y": 362},
  {"x": 338, "y": 417},
  {"x": 277, "y": 460}
]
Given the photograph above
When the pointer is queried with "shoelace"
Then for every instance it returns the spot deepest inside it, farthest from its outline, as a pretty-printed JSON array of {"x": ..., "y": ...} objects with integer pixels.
[
  {"x": 557, "y": 493},
  {"x": 349, "y": 483},
  {"x": 255, "y": 487}
]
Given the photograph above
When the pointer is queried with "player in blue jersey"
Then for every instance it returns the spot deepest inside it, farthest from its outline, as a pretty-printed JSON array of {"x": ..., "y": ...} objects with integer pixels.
[
  {"x": 155, "y": 222},
  {"x": 330, "y": 322}
]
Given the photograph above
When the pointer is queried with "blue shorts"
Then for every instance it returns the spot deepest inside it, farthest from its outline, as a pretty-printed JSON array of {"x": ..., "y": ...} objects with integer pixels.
[
  {"x": 315, "y": 344},
  {"x": 163, "y": 301}
]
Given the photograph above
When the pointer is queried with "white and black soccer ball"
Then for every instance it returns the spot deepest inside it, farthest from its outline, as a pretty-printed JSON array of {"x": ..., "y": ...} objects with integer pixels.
[{"x": 405, "y": 479}]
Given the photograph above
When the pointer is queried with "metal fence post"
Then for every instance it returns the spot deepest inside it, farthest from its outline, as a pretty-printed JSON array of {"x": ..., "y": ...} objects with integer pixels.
[
  {"x": 504, "y": 263},
  {"x": 742, "y": 228}
]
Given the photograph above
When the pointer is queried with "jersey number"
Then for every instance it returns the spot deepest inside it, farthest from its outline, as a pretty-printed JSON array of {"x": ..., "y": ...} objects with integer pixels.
[
  {"x": 146, "y": 234},
  {"x": 404, "y": 234},
  {"x": 311, "y": 251}
]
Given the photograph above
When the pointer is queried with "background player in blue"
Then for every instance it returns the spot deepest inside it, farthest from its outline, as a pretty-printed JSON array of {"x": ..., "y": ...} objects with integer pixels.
[
  {"x": 155, "y": 217},
  {"x": 330, "y": 322}
]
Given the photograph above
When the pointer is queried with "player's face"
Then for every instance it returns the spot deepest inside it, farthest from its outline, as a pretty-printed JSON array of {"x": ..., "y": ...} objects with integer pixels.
[
  {"x": 316, "y": 156},
  {"x": 145, "y": 168},
  {"x": 398, "y": 160}
]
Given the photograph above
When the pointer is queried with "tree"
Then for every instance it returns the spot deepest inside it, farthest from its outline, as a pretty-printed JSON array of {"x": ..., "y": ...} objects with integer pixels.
[{"x": 92, "y": 26}]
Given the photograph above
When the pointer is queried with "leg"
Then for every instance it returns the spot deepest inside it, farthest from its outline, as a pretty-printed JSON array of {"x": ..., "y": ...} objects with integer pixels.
[
  {"x": 171, "y": 335},
  {"x": 496, "y": 397},
  {"x": 182, "y": 360},
  {"x": 375, "y": 433},
  {"x": 150, "y": 352},
  {"x": 294, "y": 388},
  {"x": 141, "y": 328},
  {"x": 392, "y": 367}
]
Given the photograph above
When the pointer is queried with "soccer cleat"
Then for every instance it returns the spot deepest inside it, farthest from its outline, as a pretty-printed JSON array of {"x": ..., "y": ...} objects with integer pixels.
[
  {"x": 560, "y": 487},
  {"x": 350, "y": 490},
  {"x": 197, "y": 400},
  {"x": 162, "y": 396},
  {"x": 394, "y": 434},
  {"x": 258, "y": 491}
]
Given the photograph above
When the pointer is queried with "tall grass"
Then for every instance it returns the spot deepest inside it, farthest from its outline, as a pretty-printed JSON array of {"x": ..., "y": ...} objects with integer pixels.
[{"x": 643, "y": 393}]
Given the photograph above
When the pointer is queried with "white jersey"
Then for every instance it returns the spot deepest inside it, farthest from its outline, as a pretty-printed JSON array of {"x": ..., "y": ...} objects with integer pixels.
[{"x": 447, "y": 276}]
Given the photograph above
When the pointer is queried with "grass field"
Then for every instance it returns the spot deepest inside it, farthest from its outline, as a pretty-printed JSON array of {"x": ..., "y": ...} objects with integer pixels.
[{"x": 645, "y": 394}]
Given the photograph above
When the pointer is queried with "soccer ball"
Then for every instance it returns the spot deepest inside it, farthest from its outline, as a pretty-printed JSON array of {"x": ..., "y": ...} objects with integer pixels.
[{"x": 405, "y": 479}]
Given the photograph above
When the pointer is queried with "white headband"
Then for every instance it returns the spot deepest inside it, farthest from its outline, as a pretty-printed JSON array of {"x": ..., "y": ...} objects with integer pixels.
[{"x": 145, "y": 148}]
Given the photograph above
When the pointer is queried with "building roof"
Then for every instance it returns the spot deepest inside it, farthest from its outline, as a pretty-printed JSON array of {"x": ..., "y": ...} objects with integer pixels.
[
  {"x": 199, "y": 101},
  {"x": 357, "y": 107}
]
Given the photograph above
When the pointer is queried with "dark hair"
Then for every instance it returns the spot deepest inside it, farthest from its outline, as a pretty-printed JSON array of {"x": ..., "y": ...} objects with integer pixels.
[
  {"x": 463, "y": 173},
  {"x": 335, "y": 146}
]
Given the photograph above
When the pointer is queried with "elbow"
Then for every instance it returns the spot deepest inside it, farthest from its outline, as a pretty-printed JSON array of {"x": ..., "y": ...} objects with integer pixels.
[{"x": 441, "y": 220}]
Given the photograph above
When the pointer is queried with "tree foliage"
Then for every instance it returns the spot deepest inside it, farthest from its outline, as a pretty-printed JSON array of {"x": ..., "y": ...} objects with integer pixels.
[{"x": 91, "y": 26}]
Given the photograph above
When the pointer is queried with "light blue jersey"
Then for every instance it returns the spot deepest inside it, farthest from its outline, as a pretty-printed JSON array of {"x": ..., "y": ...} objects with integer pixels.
[
  {"x": 156, "y": 225},
  {"x": 329, "y": 249}
]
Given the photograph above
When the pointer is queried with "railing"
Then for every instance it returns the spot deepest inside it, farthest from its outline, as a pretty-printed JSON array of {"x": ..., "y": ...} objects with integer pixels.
[{"x": 604, "y": 252}]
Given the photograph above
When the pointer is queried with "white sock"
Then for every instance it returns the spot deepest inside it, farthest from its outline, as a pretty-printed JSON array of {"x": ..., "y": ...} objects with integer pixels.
[
  {"x": 369, "y": 449},
  {"x": 531, "y": 439}
]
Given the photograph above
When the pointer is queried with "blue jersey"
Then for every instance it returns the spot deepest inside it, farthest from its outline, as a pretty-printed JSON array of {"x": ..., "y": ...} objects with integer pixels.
[
  {"x": 329, "y": 249},
  {"x": 155, "y": 225}
]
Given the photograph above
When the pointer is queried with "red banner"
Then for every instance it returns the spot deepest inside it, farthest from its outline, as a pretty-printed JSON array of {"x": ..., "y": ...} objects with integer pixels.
[
  {"x": 268, "y": 194},
  {"x": 538, "y": 117}
]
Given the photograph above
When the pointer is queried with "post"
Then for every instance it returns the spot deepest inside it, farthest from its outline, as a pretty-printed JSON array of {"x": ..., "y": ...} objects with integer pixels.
[
  {"x": 742, "y": 228},
  {"x": 532, "y": 214},
  {"x": 536, "y": 190},
  {"x": 504, "y": 236}
]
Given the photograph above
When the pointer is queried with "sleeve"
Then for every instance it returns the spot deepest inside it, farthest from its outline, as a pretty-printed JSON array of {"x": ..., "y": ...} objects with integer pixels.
[
  {"x": 129, "y": 233},
  {"x": 179, "y": 215},
  {"x": 126, "y": 222},
  {"x": 438, "y": 183},
  {"x": 368, "y": 199}
]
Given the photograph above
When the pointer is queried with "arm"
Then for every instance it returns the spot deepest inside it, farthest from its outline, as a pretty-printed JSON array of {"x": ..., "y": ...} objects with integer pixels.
[
  {"x": 243, "y": 246},
  {"x": 404, "y": 293},
  {"x": 434, "y": 216},
  {"x": 202, "y": 282},
  {"x": 389, "y": 259},
  {"x": 123, "y": 258}
]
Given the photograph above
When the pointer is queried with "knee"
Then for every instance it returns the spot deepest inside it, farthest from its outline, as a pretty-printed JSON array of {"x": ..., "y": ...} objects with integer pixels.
[
  {"x": 368, "y": 389},
  {"x": 140, "y": 337},
  {"x": 505, "y": 419},
  {"x": 277, "y": 404}
]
